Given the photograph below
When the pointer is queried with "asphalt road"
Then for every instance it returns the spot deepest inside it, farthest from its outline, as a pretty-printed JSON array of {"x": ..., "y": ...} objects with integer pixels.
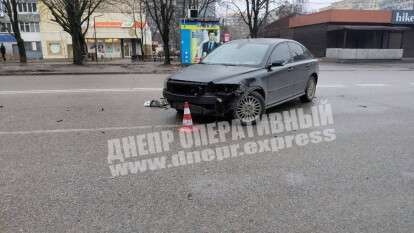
[{"x": 54, "y": 175}]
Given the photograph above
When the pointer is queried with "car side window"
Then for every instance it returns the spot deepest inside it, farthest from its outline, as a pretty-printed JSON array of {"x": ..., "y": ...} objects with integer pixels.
[
  {"x": 281, "y": 53},
  {"x": 308, "y": 54},
  {"x": 298, "y": 52}
]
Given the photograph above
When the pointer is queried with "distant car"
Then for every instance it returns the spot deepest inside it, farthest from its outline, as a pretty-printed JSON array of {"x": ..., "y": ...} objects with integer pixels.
[{"x": 244, "y": 78}]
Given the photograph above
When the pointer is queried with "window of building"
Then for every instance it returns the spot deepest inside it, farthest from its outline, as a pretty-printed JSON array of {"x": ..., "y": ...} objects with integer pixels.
[
  {"x": 6, "y": 27},
  {"x": 54, "y": 48},
  {"x": 29, "y": 27},
  {"x": 32, "y": 46},
  {"x": 27, "y": 7},
  {"x": 3, "y": 27}
]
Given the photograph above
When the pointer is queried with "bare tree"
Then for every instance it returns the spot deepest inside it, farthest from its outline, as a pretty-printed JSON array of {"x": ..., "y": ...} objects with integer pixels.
[
  {"x": 162, "y": 12},
  {"x": 13, "y": 14},
  {"x": 254, "y": 13},
  {"x": 287, "y": 8},
  {"x": 71, "y": 15}
]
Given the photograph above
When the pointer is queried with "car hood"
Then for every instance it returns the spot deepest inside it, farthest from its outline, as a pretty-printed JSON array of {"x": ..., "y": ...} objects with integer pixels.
[{"x": 211, "y": 73}]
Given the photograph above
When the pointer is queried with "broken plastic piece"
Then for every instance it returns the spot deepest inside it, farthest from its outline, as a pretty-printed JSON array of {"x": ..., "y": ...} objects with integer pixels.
[{"x": 156, "y": 103}]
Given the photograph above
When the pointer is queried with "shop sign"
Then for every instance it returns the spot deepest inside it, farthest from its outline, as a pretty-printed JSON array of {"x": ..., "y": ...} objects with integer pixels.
[{"x": 403, "y": 17}]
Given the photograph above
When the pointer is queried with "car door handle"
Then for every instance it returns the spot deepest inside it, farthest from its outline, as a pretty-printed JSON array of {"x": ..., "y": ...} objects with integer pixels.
[
  {"x": 308, "y": 66},
  {"x": 290, "y": 68}
]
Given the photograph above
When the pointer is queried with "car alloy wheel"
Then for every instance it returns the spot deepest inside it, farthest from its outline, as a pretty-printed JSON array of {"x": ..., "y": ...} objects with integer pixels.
[
  {"x": 310, "y": 91},
  {"x": 249, "y": 108}
]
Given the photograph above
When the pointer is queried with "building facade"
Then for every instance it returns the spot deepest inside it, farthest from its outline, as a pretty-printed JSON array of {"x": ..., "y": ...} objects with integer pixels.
[
  {"x": 304, "y": 5},
  {"x": 372, "y": 5},
  {"x": 56, "y": 43},
  {"x": 29, "y": 27},
  {"x": 115, "y": 33},
  {"x": 397, "y": 4},
  {"x": 354, "y": 5},
  {"x": 118, "y": 36},
  {"x": 350, "y": 34},
  {"x": 236, "y": 27}
]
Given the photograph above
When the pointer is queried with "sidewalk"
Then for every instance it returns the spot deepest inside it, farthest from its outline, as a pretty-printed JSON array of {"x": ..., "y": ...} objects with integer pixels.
[{"x": 66, "y": 68}]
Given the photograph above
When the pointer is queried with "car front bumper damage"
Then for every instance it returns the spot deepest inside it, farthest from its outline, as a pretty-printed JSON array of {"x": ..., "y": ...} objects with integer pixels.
[{"x": 202, "y": 100}]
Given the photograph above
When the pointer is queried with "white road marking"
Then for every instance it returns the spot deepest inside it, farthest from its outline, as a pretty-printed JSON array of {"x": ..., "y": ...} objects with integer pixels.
[
  {"x": 332, "y": 86},
  {"x": 84, "y": 130},
  {"x": 371, "y": 85},
  {"x": 71, "y": 91}
]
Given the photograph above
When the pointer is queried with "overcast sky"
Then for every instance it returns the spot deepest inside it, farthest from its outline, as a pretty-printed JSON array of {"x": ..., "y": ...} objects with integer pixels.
[{"x": 316, "y": 4}]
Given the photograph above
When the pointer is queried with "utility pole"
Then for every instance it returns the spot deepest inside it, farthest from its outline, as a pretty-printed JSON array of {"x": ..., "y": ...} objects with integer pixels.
[{"x": 95, "y": 36}]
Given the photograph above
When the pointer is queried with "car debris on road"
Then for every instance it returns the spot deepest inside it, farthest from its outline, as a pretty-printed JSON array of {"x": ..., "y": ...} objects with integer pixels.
[{"x": 162, "y": 103}]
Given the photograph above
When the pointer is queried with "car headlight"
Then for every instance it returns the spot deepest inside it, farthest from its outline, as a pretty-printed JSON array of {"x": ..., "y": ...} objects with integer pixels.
[{"x": 166, "y": 83}]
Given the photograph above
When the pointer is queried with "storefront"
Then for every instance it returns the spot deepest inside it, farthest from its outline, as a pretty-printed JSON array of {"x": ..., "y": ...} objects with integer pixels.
[
  {"x": 351, "y": 34},
  {"x": 115, "y": 35},
  {"x": 117, "y": 39}
]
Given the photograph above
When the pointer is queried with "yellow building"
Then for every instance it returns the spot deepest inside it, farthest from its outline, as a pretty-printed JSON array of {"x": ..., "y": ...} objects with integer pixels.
[
  {"x": 56, "y": 43},
  {"x": 118, "y": 35}
]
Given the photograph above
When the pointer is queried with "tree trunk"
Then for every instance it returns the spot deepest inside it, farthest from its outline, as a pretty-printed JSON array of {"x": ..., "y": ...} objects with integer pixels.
[
  {"x": 14, "y": 20},
  {"x": 166, "y": 41},
  {"x": 79, "y": 47},
  {"x": 22, "y": 49},
  {"x": 167, "y": 59},
  {"x": 142, "y": 49},
  {"x": 254, "y": 32}
]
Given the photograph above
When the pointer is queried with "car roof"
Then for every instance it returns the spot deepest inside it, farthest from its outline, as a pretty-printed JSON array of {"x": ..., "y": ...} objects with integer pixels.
[{"x": 270, "y": 41}]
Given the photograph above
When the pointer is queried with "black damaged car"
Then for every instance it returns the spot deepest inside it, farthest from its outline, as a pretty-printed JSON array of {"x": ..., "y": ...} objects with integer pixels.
[{"x": 244, "y": 78}]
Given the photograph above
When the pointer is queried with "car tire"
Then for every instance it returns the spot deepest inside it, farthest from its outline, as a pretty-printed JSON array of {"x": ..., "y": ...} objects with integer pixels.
[
  {"x": 309, "y": 91},
  {"x": 249, "y": 108}
]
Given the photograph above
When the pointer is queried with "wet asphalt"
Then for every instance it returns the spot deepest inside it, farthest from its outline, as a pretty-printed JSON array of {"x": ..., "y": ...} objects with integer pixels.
[{"x": 54, "y": 175}]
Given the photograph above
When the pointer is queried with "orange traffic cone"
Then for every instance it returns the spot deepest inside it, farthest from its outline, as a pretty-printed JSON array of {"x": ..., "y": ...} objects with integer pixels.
[{"x": 187, "y": 120}]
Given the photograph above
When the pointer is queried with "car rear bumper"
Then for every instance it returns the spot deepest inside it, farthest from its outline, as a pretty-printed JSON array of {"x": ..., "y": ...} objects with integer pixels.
[{"x": 207, "y": 104}]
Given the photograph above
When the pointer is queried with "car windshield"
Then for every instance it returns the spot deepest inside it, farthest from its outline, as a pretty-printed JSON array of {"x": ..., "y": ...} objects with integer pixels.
[{"x": 249, "y": 54}]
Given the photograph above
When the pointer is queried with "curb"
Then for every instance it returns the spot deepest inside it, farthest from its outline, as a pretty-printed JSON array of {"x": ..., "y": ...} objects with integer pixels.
[{"x": 79, "y": 73}]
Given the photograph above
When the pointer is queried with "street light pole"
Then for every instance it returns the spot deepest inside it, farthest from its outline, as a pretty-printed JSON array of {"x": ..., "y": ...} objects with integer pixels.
[
  {"x": 95, "y": 36},
  {"x": 96, "y": 41}
]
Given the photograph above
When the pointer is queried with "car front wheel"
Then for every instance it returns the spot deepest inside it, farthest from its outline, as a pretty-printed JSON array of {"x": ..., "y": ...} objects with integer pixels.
[{"x": 249, "y": 108}]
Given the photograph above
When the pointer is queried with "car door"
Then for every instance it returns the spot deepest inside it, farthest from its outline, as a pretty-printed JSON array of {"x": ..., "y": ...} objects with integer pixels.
[
  {"x": 301, "y": 67},
  {"x": 278, "y": 80}
]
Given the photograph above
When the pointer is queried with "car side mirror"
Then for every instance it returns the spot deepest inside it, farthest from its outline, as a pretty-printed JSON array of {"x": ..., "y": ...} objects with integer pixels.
[
  {"x": 275, "y": 63},
  {"x": 278, "y": 63}
]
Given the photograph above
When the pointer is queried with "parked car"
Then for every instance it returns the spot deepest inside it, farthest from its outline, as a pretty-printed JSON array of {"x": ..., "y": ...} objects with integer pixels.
[{"x": 244, "y": 78}]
